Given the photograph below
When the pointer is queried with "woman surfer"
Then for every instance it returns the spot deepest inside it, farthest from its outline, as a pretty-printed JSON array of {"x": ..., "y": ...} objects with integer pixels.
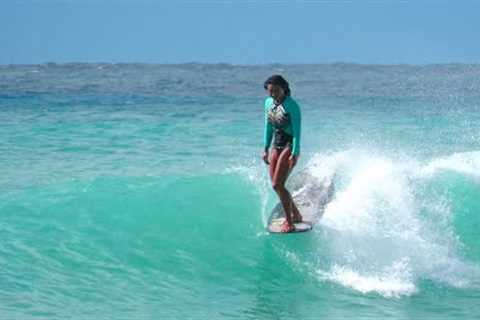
[{"x": 283, "y": 123}]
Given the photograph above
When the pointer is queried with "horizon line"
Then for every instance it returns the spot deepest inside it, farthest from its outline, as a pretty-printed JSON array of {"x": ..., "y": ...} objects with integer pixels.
[{"x": 51, "y": 63}]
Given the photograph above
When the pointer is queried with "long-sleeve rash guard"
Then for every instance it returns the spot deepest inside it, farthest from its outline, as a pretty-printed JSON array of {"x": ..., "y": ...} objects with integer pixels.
[{"x": 293, "y": 128}]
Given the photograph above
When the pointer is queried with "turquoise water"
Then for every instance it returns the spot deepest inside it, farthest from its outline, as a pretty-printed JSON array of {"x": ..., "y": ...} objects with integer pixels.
[{"x": 137, "y": 191}]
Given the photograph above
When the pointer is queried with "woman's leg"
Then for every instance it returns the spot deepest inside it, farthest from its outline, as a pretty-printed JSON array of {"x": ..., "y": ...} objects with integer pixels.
[
  {"x": 279, "y": 178},
  {"x": 297, "y": 217},
  {"x": 273, "y": 162}
]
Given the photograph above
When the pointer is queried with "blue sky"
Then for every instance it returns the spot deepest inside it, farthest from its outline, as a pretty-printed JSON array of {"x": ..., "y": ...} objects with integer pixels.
[{"x": 239, "y": 32}]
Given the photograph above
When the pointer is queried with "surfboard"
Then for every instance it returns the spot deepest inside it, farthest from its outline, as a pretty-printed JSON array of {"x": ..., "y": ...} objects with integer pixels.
[{"x": 311, "y": 194}]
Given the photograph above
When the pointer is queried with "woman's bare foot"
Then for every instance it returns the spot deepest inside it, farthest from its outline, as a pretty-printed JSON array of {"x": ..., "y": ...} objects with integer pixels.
[{"x": 287, "y": 227}]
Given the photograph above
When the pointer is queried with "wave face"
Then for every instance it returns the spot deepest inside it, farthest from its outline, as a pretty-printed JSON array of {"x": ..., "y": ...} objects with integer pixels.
[{"x": 144, "y": 196}]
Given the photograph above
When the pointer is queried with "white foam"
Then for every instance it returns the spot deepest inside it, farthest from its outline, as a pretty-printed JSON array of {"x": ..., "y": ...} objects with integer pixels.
[
  {"x": 465, "y": 163},
  {"x": 374, "y": 188},
  {"x": 393, "y": 282},
  {"x": 325, "y": 166},
  {"x": 374, "y": 228}
]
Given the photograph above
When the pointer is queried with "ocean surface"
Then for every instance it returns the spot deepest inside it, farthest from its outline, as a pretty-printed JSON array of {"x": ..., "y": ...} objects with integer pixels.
[{"x": 137, "y": 191}]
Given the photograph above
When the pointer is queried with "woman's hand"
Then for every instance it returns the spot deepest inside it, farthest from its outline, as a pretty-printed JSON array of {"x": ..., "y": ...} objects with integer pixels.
[
  {"x": 292, "y": 161},
  {"x": 265, "y": 157}
]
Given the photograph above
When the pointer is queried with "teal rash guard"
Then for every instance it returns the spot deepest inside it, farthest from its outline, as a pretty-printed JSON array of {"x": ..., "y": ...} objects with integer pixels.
[{"x": 292, "y": 126}]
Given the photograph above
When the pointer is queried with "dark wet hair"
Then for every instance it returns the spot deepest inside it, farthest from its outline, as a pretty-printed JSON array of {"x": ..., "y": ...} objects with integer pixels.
[{"x": 278, "y": 80}]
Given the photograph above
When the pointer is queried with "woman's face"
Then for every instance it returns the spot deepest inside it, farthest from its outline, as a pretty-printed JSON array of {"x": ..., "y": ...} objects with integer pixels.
[{"x": 276, "y": 92}]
